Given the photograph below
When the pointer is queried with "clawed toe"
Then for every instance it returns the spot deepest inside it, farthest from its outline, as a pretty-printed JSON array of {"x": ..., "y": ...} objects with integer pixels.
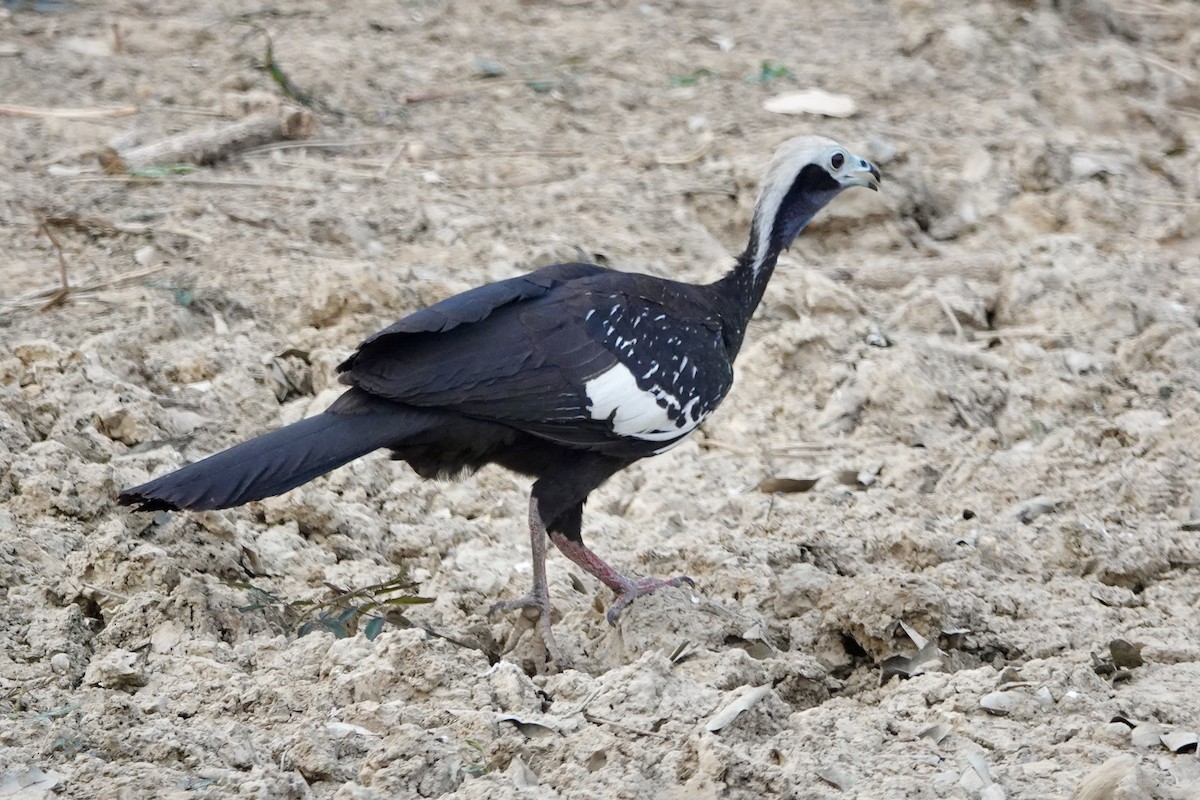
[
  {"x": 536, "y": 616},
  {"x": 633, "y": 589},
  {"x": 521, "y": 603}
]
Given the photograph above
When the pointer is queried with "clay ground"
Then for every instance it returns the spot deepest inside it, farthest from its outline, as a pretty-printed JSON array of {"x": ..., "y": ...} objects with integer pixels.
[{"x": 990, "y": 369}]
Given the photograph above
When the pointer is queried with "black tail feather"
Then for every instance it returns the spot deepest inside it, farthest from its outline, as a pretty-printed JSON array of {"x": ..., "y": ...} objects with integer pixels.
[{"x": 275, "y": 462}]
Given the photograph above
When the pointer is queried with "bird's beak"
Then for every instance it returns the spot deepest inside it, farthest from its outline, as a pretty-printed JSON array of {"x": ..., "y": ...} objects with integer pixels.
[{"x": 863, "y": 174}]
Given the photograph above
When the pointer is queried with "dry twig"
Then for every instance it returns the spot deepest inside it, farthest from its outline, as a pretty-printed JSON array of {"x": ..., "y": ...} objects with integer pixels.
[
  {"x": 99, "y": 225},
  {"x": 67, "y": 113},
  {"x": 717, "y": 444},
  {"x": 897, "y": 275},
  {"x": 214, "y": 144},
  {"x": 64, "y": 287},
  {"x": 598, "y": 720},
  {"x": 1018, "y": 333},
  {"x": 678, "y": 161},
  {"x": 314, "y": 144},
  {"x": 949, "y": 312},
  {"x": 36, "y": 296},
  {"x": 469, "y": 154},
  {"x": 207, "y": 183}
]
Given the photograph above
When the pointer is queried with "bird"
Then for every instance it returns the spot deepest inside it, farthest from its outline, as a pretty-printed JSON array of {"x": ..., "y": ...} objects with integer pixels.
[{"x": 567, "y": 374}]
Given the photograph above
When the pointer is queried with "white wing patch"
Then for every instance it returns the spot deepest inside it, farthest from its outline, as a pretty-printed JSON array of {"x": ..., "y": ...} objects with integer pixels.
[{"x": 654, "y": 414}]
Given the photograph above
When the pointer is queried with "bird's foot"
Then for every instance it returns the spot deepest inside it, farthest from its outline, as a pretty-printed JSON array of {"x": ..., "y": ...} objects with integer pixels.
[
  {"x": 626, "y": 589},
  {"x": 536, "y": 616},
  {"x": 629, "y": 589}
]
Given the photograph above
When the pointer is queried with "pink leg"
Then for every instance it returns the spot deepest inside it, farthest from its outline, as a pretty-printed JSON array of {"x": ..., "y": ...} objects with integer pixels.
[
  {"x": 626, "y": 589},
  {"x": 535, "y": 606}
]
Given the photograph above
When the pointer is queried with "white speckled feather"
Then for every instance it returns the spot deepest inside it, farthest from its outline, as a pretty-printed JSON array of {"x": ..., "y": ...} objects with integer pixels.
[{"x": 650, "y": 414}]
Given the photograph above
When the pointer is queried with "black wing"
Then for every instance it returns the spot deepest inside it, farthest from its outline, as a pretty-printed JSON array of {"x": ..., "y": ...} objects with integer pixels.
[
  {"x": 473, "y": 305},
  {"x": 621, "y": 363}
]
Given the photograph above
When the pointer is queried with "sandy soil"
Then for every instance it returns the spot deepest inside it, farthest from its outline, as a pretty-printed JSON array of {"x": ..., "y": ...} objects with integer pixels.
[{"x": 991, "y": 370}]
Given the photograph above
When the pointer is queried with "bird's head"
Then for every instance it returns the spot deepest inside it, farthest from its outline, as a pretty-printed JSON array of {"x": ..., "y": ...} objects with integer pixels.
[{"x": 804, "y": 175}]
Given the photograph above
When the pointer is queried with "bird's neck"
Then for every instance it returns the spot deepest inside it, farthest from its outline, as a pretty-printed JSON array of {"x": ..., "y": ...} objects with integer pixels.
[{"x": 743, "y": 286}]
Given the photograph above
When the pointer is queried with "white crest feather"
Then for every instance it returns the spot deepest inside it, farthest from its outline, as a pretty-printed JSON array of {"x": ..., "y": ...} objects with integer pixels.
[{"x": 790, "y": 157}]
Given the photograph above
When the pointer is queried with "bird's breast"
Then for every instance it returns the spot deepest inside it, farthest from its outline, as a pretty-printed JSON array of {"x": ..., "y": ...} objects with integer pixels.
[{"x": 669, "y": 375}]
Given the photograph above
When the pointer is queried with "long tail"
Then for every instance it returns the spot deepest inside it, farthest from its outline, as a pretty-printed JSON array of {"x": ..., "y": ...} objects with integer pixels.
[{"x": 275, "y": 462}]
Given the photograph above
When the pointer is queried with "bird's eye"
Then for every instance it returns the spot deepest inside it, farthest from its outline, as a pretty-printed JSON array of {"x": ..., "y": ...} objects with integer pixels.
[{"x": 837, "y": 161}]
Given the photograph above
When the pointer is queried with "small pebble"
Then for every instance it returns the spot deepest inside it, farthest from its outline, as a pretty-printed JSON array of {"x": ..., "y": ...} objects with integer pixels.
[
  {"x": 146, "y": 255},
  {"x": 1125, "y": 654},
  {"x": 998, "y": 703}
]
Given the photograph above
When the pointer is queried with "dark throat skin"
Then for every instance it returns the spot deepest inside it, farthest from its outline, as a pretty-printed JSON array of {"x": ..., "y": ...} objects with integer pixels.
[{"x": 740, "y": 291}]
